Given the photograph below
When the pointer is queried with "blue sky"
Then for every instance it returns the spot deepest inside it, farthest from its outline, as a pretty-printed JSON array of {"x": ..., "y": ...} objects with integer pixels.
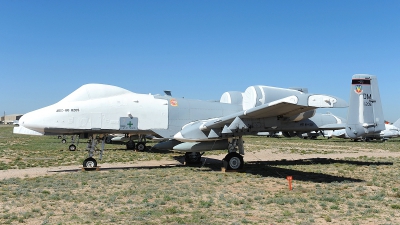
[{"x": 197, "y": 49}]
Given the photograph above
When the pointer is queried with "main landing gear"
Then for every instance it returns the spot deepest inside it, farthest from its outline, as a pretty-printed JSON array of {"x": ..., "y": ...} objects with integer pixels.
[
  {"x": 232, "y": 161},
  {"x": 74, "y": 141},
  {"x": 139, "y": 146}
]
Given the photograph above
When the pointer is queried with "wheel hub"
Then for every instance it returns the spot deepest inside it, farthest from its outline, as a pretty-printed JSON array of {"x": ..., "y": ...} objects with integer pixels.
[{"x": 234, "y": 163}]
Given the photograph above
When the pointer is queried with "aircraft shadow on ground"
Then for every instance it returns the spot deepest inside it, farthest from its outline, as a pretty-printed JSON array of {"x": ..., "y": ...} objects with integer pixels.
[
  {"x": 262, "y": 168},
  {"x": 270, "y": 169},
  {"x": 277, "y": 172},
  {"x": 312, "y": 161}
]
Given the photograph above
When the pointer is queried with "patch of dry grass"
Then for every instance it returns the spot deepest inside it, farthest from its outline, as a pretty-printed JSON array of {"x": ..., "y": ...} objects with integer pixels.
[
  {"x": 362, "y": 190},
  {"x": 359, "y": 194}
]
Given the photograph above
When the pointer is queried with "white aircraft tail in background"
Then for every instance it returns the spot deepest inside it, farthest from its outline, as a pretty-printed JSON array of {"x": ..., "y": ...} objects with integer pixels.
[{"x": 365, "y": 114}]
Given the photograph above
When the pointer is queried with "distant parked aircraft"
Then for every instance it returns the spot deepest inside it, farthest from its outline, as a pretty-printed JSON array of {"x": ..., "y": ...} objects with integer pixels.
[
  {"x": 319, "y": 124},
  {"x": 390, "y": 131}
]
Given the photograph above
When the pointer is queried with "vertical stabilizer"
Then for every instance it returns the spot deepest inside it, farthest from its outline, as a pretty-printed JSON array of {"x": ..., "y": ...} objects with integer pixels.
[{"x": 365, "y": 115}]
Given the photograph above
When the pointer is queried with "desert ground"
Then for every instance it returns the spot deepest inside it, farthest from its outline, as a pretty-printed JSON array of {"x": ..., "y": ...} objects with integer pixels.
[{"x": 334, "y": 182}]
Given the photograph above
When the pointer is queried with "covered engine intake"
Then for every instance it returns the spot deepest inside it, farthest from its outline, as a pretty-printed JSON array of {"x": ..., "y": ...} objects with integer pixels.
[{"x": 259, "y": 95}]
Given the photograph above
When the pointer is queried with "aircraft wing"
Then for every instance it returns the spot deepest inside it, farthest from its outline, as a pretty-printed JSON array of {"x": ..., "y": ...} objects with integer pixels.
[
  {"x": 286, "y": 107},
  {"x": 256, "y": 119}
]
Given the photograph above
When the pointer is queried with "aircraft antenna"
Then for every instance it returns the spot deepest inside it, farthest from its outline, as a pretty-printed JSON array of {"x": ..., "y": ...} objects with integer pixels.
[{"x": 168, "y": 92}]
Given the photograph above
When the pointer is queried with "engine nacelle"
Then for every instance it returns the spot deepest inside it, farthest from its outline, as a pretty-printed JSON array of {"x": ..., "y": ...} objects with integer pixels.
[
  {"x": 232, "y": 97},
  {"x": 259, "y": 95}
]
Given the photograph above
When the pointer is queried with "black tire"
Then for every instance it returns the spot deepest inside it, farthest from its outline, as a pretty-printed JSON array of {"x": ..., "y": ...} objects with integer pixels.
[
  {"x": 72, "y": 147},
  {"x": 140, "y": 146},
  {"x": 192, "y": 157},
  {"x": 89, "y": 163},
  {"x": 63, "y": 141},
  {"x": 233, "y": 161},
  {"x": 130, "y": 145},
  {"x": 108, "y": 140}
]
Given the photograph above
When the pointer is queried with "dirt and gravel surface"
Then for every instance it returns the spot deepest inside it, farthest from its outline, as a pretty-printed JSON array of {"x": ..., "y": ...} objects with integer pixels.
[{"x": 263, "y": 155}]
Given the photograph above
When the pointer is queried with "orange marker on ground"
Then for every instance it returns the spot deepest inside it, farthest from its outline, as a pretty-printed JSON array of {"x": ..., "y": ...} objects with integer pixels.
[{"x": 290, "y": 178}]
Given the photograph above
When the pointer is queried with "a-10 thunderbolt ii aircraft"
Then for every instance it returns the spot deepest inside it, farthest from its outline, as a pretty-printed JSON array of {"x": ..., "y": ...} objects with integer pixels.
[{"x": 190, "y": 126}]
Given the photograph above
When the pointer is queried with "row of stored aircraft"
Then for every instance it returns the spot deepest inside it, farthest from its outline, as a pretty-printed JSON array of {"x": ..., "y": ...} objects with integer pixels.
[
  {"x": 195, "y": 126},
  {"x": 390, "y": 131}
]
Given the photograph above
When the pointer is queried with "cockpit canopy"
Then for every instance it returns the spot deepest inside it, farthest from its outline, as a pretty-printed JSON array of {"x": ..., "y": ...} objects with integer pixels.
[{"x": 94, "y": 91}]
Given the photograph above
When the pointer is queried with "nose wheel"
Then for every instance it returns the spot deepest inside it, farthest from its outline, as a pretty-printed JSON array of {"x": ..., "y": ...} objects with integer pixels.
[{"x": 89, "y": 163}]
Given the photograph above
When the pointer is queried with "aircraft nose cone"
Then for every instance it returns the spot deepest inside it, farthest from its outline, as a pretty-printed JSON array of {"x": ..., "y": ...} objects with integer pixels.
[
  {"x": 32, "y": 120},
  {"x": 21, "y": 120},
  {"x": 24, "y": 120}
]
